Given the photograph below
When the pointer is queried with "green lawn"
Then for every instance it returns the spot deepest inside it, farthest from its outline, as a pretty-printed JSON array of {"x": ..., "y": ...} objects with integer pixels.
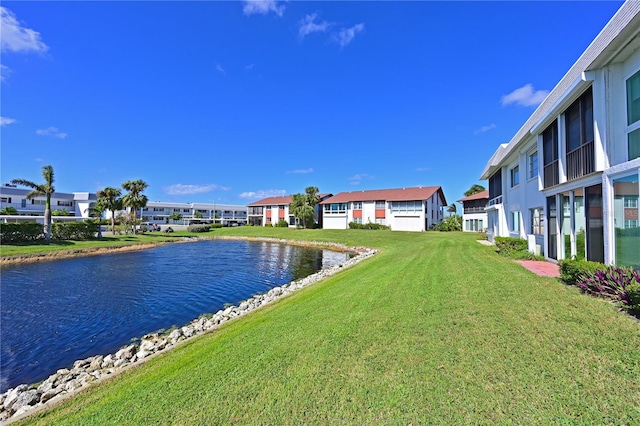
[{"x": 435, "y": 329}]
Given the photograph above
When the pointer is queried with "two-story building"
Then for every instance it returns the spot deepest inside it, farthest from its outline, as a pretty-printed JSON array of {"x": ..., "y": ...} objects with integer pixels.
[
  {"x": 474, "y": 215},
  {"x": 161, "y": 212},
  {"x": 404, "y": 209},
  {"x": 271, "y": 210},
  {"x": 71, "y": 206},
  {"x": 568, "y": 179}
]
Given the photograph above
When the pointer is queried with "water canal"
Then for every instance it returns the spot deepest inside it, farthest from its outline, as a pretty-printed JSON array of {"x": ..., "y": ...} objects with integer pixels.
[{"x": 53, "y": 313}]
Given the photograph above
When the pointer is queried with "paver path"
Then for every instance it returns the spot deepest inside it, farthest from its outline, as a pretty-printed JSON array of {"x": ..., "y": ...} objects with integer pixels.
[{"x": 542, "y": 268}]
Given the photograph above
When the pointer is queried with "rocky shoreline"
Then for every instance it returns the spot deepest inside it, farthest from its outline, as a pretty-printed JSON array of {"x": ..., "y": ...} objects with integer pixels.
[{"x": 24, "y": 400}]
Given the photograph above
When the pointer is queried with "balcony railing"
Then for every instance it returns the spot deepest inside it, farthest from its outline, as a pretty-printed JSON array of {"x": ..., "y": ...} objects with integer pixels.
[
  {"x": 551, "y": 174},
  {"x": 468, "y": 210},
  {"x": 495, "y": 200},
  {"x": 580, "y": 161}
]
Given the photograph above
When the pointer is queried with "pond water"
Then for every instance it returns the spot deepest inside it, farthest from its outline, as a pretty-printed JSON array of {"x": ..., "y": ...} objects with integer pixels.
[{"x": 53, "y": 313}]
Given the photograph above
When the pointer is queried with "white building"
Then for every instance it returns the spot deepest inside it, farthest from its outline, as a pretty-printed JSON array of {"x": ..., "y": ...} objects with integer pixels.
[
  {"x": 568, "y": 179},
  {"x": 474, "y": 215},
  {"x": 75, "y": 206},
  {"x": 161, "y": 213},
  {"x": 405, "y": 209},
  {"x": 269, "y": 211}
]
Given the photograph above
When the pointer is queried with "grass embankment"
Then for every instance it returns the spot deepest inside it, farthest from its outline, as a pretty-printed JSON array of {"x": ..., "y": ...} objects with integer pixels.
[{"x": 435, "y": 329}]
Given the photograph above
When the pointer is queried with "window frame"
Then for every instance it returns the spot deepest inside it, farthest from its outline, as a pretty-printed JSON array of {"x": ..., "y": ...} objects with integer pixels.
[
  {"x": 514, "y": 176},
  {"x": 632, "y": 127},
  {"x": 533, "y": 172}
]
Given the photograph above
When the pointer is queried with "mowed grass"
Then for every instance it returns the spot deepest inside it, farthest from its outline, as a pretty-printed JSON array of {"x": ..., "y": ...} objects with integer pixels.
[{"x": 435, "y": 329}]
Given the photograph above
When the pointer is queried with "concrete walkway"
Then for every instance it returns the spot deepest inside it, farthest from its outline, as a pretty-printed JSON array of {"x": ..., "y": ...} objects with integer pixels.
[{"x": 542, "y": 268}]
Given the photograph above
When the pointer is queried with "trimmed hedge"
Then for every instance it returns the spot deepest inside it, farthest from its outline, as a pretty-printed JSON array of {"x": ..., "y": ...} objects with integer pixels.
[
  {"x": 21, "y": 232},
  {"x": 572, "y": 270},
  {"x": 375, "y": 226},
  {"x": 74, "y": 230},
  {"x": 282, "y": 224},
  {"x": 199, "y": 228}
]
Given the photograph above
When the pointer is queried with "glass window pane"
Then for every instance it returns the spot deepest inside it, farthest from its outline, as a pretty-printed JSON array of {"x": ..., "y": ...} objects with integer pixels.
[
  {"x": 625, "y": 219},
  {"x": 633, "y": 98},
  {"x": 634, "y": 144}
]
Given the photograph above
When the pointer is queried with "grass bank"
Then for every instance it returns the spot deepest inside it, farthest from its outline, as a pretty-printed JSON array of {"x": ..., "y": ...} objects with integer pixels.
[{"x": 435, "y": 329}]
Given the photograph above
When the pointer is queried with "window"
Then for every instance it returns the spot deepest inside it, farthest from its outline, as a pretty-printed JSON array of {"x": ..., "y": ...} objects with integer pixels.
[
  {"x": 579, "y": 136},
  {"x": 630, "y": 202},
  {"x": 357, "y": 205},
  {"x": 186, "y": 210},
  {"x": 633, "y": 115},
  {"x": 39, "y": 202},
  {"x": 495, "y": 188},
  {"x": 630, "y": 223},
  {"x": 473, "y": 225},
  {"x": 406, "y": 207},
  {"x": 515, "y": 221},
  {"x": 335, "y": 208},
  {"x": 550, "y": 155},
  {"x": 357, "y": 220},
  {"x": 537, "y": 221},
  {"x": 380, "y": 221},
  {"x": 380, "y": 205},
  {"x": 65, "y": 203},
  {"x": 515, "y": 176},
  {"x": 532, "y": 163}
]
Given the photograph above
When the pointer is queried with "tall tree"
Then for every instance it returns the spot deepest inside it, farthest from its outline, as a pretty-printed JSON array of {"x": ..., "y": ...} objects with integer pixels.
[
  {"x": 452, "y": 208},
  {"x": 109, "y": 199},
  {"x": 474, "y": 190},
  {"x": 134, "y": 199},
  {"x": 38, "y": 190},
  {"x": 303, "y": 206}
]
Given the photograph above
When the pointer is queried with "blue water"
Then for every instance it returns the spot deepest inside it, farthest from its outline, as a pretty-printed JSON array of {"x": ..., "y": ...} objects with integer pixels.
[{"x": 53, "y": 313}]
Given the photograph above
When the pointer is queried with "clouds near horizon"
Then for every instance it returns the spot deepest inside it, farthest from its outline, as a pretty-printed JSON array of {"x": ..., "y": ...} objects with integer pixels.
[
  {"x": 180, "y": 189},
  {"x": 53, "y": 132},
  {"x": 258, "y": 195},
  {"x": 525, "y": 96}
]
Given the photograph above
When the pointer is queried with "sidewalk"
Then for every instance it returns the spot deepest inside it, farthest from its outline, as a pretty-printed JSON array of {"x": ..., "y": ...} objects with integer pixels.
[{"x": 542, "y": 268}]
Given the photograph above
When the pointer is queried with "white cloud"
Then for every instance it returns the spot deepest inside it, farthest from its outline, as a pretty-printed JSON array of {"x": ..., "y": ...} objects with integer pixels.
[
  {"x": 5, "y": 121},
  {"x": 301, "y": 171},
  {"x": 485, "y": 129},
  {"x": 14, "y": 37},
  {"x": 249, "y": 67},
  {"x": 263, "y": 194},
  {"x": 262, "y": 7},
  {"x": 180, "y": 189},
  {"x": 220, "y": 69},
  {"x": 308, "y": 25},
  {"x": 4, "y": 71},
  {"x": 525, "y": 96},
  {"x": 423, "y": 169},
  {"x": 53, "y": 132},
  {"x": 346, "y": 35},
  {"x": 356, "y": 179}
]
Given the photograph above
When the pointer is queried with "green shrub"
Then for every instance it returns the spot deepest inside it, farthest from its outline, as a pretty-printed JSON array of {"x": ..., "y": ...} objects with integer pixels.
[
  {"x": 20, "y": 232},
  {"x": 572, "y": 270},
  {"x": 74, "y": 230},
  {"x": 374, "y": 226},
  {"x": 199, "y": 228},
  {"x": 633, "y": 291},
  {"x": 510, "y": 245},
  {"x": 450, "y": 224},
  {"x": 216, "y": 225},
  {"x": 282, "y": 224}
]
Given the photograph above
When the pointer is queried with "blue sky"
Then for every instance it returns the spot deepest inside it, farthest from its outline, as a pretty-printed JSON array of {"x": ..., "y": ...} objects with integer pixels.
[{"x": 231, "y": 102}]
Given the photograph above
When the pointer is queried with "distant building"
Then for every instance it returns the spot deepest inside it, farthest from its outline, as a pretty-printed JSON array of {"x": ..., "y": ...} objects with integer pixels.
[
  {"x": 474, "y": 216},
  {"x": 567, "y": 181},
  {"x": 77, "y": 204},
  {"x": 404, "y": 209},
  {"x": 271, "y": 210},
  {"x": 160, "y": 212}
]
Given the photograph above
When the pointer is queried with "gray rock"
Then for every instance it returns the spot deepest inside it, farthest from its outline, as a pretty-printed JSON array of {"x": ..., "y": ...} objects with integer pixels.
[
  {"x": 27, "y": 398},
  {"x": 12, "y": 396},
  {"x": 46, "y": 396}
]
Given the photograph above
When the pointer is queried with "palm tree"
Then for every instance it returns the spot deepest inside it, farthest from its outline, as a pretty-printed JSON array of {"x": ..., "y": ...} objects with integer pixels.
[
  {"x": 6, "y": 211},
  {"x": 303, "y": 206},
  {"x": 109, "y": 199},
  {"x": 39, "y": 190},
  {"x": 134, "y": 199},
  {"x": 96, "y": 212},
  {"x": 474, "y": 190},
  {"x": 452, "y": 208}
]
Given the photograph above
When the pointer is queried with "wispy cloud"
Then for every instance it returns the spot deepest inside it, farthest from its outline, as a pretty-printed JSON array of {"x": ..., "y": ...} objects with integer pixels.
[
  {"x": 257, "y": 195},
  {"x": 4, "y": 72},
  {"x": 525, "y": 96},
  {"x": 220, "y": 69},
  {"x": 423, "y": 169},
  {"x": 308, "y": 25},
  {"x": 5, "y": 121},
  {"x": 262, "y": 7},
  {"x": 300, "y": 171},
  {"x": 180, "y": 189},
  {"x": 53, "y": 132},
  {"x": 356, "y": 179},
  {"x": 249, "y": 67},
  {"x": 14, "y": 37},
  {"x": 346, "y": 35},
  {"x": 485, "y": 129}
]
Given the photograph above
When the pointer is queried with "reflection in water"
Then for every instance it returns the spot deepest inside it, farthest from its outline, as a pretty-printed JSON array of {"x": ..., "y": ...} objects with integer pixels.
[{"x": 54, "y": 313}]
